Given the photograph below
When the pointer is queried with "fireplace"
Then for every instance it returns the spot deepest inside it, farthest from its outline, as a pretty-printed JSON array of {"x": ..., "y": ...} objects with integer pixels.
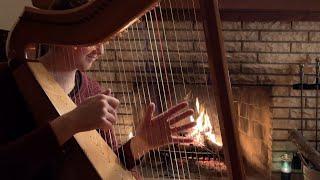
[
  {"x": 202, "y": 159},
  {"x": 253, "y": 114},
  {"x": 132, "y": 74}
]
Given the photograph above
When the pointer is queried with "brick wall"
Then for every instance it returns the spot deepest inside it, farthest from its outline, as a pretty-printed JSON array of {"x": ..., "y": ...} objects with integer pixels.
[
  {"x": 258, "y": 53},
  {"x": 271, "y": 55}
]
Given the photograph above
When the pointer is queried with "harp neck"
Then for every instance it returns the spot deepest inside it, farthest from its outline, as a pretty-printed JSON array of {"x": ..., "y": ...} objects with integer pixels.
[{"x": 102, "y": 18}]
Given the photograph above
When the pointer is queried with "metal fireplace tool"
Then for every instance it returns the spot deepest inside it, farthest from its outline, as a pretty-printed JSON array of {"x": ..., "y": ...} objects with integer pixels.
[{"x": 302, "y": 86}]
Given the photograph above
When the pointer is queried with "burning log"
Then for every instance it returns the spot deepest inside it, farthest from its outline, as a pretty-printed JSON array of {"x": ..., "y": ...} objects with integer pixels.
[
  {"x": 305, "y": 148},
  {"x": 201, "y": 152},
  {"x": 212, "y": 146}
]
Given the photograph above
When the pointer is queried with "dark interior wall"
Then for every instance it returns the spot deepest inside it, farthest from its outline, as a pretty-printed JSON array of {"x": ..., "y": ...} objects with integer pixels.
[{"x": 3, "y": 38}]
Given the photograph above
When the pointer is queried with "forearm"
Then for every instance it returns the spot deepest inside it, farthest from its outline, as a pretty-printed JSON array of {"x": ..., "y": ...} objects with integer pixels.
[
  {"x": 131, "y": 153},
  {"x": 63, "y": 129},
  {"x": 138, "y": 148}
]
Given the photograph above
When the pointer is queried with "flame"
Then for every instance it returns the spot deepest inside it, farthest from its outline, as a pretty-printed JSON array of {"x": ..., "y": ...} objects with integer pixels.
[
  {"x": 203, "y": 128},
  {"x": 130, "y": 135},
  {"x": 197, "y": 105}
]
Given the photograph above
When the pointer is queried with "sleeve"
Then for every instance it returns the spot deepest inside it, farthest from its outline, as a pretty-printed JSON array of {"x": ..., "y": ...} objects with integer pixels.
[
  {"x": 26, "y": 156},
  {"x": 126, "y": 157}
]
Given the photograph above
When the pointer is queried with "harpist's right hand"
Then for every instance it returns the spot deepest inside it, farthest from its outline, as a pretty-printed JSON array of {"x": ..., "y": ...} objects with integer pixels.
[{"x": 97, "y": 112}]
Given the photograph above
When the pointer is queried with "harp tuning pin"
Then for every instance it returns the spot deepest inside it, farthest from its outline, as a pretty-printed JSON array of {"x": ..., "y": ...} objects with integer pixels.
[{"x": 120, "y": 35}]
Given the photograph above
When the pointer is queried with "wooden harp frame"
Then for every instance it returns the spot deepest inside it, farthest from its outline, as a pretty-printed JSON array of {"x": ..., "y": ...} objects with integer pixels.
[
  {"x": 66, "y": 28},
  {"x": 222, "y": 87},
  {"x": 89, "y": 157}
]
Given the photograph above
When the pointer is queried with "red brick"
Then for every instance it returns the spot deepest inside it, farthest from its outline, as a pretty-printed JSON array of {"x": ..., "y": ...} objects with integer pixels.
[
  {"x": 285, "y": 102},
  {"x": 280, "y": 112},
  {"x": 240, "y": 35},
  {"x": 280, "y": 91},
  {"x": 266, "y": 47},
  {"x": 282, "y": 58},
  {"x": 284, "y": 36},
  {"x": 305, "y": 25},
  {"x": 274, "y": 25}
]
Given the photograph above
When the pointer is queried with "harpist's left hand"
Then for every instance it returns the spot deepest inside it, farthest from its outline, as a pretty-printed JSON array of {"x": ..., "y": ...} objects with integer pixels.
[{"x": 157, "y": 131}]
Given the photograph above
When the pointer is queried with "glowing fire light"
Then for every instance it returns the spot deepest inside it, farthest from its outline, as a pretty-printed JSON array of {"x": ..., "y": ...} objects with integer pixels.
[
  {"x": 130, "y": 135},
  {"x": 203, "y": 128}
]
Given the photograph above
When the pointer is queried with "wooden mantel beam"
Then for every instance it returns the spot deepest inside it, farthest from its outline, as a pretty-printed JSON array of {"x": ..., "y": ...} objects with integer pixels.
[{"x": 259, "y": 10}]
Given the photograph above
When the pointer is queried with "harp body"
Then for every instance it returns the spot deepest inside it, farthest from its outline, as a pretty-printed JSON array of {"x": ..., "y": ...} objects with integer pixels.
[{"x": 90, "y": 156}]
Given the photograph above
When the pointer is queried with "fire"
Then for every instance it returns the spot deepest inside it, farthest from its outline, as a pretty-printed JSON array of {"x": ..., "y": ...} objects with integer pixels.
[
  {"x": 203, "y": 128},
  {"x": 130, "y": 135}
]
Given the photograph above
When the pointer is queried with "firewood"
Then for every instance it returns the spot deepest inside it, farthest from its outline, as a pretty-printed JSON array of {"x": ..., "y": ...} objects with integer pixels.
[
  {"x": 212, "y": 146},
  {"x": 305, "y": 148}
]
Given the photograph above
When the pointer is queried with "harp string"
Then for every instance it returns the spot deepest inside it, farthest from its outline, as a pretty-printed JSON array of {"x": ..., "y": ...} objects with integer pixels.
[
  {"x": 157, "y": 80},
  {"x": 105, "y": 57},
  {"x": 209, "y": 96},
  {"x": 114, "y": 94},
  {"x": 193, "y": 70},
  {"x": 185, "y": 93},
  {"x": 196, "y": 63},
  {"x": 166, "y": 74},
  {"x": 106, "y": 135},
  {"x": 143, "y": 77},
  {"x": 115, "y": 42},
  {"x": 196, "y": 22},
  {"x": 103, "y": 133},
  {"x": 133, "y": 89},
  {"x": 149, "y": 73},
  {"x": 160, "y": 69},
  {"x": 174, "y": 92},
  {"x": 166, "y": 78},
  {"x": 110, "y": 133},
  {"x": 126, "y": 82},
  {"x": 160, "y": 85},
  {"x": 149, "y": 96},
  {"x": 202, "y": 72},
  {"x": 170, "y": 15}
]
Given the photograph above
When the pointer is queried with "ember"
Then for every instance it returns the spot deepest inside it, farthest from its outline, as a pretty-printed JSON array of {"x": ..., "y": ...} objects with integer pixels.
[{"x": 216, "y": 166}]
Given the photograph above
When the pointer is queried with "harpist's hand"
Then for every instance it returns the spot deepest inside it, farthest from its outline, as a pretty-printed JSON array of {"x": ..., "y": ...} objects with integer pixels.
[
  {"x": 158, "y": 131},
  {"x": 97, "y": 112}
]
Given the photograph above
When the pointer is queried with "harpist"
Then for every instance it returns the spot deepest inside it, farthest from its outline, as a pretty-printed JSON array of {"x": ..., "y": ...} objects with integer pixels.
[{"x": 30, "y": 152}]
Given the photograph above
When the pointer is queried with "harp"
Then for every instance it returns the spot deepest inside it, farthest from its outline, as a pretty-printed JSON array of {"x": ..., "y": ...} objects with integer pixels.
[{"x": 97, "y": 159}]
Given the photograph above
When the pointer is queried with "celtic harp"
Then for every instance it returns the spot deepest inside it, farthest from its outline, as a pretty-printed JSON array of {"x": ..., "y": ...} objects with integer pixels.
[
  {"x": 152, "y": 55},
  {"x": 46, "y": 99}
]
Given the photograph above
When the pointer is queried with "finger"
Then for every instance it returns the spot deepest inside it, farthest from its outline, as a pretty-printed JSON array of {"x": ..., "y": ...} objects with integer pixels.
[
  {"x": 180, "y": 139},
  {"x": 183, "y": 128},
  {"x": 149, "y": 112},
  {"x": 106, "y": 125},
  {"x": 111, "y": 118},
  {"x": 172, "y": 110},
  {"x": 181, "y": 116},
  {"x": 107, "y": 92},
  {"x": 114, "y": 102},
  {"x": 112, "y": 111}
]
